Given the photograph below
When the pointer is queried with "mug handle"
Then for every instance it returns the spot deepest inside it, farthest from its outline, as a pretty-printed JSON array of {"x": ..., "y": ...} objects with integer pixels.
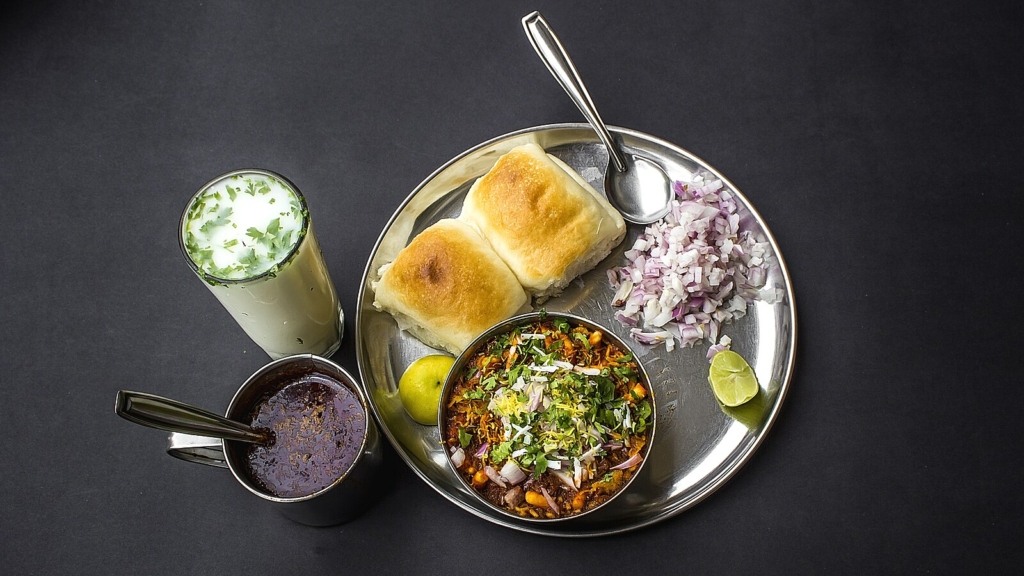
[
  {"x": 198, "y": 449},
  {"x": 186, "y": 424}
]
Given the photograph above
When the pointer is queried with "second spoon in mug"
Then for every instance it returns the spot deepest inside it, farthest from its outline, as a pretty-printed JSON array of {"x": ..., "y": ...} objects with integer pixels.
[
  {"x": 166, "y": 414},
  {"x": 638, "y": 187}
]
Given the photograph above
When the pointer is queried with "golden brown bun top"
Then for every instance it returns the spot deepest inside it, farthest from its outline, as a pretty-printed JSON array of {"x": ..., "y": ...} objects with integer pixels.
[
  {"x": 450, "y": 282},
  {"x": 539, "y": 218}
]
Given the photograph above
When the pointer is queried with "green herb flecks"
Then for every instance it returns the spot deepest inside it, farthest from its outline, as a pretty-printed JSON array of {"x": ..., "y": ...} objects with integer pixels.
[
  {"x": 552, "y": 409},
  {"x": 562, "y": 325},
  {"x": 500, "y": 452},
  {"x": 221, "y": 248},
  {"x": 474, "y": 395},
  {"x": 540, "y": 464},
  {"x": 464, "y": 438}
]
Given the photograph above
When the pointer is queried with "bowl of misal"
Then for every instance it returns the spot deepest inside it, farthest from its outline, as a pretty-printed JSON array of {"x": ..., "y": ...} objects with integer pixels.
[{"x": 547, "y": 417}]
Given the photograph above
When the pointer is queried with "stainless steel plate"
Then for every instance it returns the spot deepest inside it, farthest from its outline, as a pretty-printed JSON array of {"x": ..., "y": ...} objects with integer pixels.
[{"x": 699, "y": 445}]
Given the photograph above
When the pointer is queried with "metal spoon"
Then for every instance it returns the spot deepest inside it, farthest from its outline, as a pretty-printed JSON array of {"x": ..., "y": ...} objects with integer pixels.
[
  {"x": 638, "y": 187},
  {"x": 171, "y": 415}
]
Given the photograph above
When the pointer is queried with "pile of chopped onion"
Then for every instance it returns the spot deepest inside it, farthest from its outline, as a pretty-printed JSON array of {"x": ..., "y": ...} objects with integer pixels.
[
  {"x": 724, "y": 344},
  {"x": 693, "y": 270}
]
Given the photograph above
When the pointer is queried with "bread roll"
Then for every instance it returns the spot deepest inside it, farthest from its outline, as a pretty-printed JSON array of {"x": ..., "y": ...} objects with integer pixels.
[
  {"x": 448, "y": 286},
  {"x": 542, "y": 218}
]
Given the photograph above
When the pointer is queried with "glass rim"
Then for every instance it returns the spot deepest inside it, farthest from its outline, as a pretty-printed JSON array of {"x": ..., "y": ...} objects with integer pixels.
[{"x": 303, "y": 232}]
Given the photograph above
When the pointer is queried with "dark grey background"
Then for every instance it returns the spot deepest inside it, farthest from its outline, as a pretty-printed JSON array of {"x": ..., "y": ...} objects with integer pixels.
[{"x": 881, "y": 141}]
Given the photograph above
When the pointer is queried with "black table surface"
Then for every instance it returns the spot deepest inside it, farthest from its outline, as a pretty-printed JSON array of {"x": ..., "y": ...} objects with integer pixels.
[{"x": 880, "y": 141}]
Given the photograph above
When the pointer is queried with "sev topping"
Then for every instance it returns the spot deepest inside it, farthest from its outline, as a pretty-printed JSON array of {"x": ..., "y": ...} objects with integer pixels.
[{"x": 548, "y": 420}]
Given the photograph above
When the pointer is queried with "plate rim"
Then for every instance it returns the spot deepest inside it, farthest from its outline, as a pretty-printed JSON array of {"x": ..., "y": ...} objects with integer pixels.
[{"x": 714, "y": 485}]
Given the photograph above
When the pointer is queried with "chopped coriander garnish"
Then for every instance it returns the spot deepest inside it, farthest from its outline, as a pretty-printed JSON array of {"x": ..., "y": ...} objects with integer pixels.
[
  {"x": 500, "y": 452},
  {"x": 562, "y": 325},
  {"x": 234, "y": 236},
  {"x": 540, "y": 463},
  {"x": 464, "y": 438},
  {"x": 554, "y": 406},
  {"x": 474, "y": 395}
]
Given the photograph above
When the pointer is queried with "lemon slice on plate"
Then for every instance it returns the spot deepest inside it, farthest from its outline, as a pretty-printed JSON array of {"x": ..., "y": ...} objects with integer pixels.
[{"x": 732, "y": 379}]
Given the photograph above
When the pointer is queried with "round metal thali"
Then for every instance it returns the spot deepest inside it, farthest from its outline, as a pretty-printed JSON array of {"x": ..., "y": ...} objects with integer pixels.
[{"x": 700, "y": 444}]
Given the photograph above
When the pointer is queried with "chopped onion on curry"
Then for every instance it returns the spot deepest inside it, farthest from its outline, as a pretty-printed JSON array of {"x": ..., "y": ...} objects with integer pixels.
[{"x": 555, "y": 415}]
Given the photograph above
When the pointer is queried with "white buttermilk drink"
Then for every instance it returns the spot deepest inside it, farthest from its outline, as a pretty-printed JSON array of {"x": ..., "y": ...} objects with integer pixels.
[{"x": 249, "y": 236}]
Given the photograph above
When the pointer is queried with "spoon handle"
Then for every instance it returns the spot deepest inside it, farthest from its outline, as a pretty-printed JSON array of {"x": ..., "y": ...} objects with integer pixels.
[
  {"x": 551, "y": 51},
  {"x": 166, "y": 414}
]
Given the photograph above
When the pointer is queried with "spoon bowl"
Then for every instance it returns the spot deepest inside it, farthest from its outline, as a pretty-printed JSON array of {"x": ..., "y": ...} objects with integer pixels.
[
  {"x": 642, "y": 192},
  {"x": 638, "y": 187}
]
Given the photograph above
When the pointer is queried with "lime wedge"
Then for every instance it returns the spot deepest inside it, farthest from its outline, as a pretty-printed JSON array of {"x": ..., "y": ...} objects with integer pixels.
[{"x": 732, "y": 379}]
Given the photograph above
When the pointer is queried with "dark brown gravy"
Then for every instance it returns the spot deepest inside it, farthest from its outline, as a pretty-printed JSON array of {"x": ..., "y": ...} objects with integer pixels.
[{"x": 318, "y": 425}]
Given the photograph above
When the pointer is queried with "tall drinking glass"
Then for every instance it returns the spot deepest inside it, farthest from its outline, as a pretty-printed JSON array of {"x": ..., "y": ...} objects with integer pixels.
[{"x": 249, "y": 236}]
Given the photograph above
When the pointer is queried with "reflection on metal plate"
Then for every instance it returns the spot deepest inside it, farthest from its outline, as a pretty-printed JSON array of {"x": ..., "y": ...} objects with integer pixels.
[{"x": 699, "y": 445}]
